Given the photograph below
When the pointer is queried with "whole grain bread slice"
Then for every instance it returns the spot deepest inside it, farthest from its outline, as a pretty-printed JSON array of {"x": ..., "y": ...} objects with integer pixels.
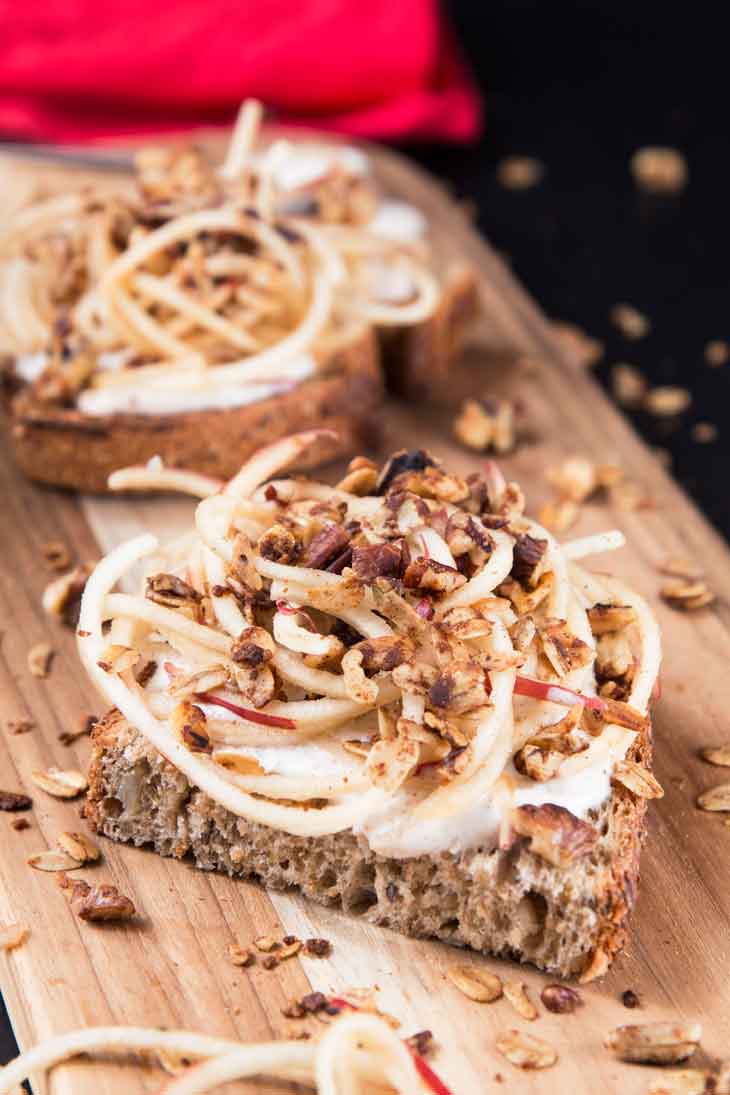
[
  {"x": 569, "y": 921},
  {"x": 65, "y": 448}
]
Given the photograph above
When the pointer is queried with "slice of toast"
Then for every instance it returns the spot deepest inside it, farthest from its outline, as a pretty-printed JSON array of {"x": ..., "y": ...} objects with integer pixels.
[
  {"x": 65, "y": 448},
  {"x": 570, "y": 921}
]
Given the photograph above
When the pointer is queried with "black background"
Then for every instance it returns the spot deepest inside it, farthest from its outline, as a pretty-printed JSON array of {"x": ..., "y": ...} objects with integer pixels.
[{"x": 580, "y": 86}]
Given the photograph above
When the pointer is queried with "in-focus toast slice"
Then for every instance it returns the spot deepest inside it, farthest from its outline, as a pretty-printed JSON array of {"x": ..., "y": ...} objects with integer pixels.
[
  {"x": 399, "y": 694},
  {"x": 510, "y": 903}
]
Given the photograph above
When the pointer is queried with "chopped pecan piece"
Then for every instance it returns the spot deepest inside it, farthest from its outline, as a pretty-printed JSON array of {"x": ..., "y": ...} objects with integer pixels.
[
  {"x": 560, "y": 999},
  {"x": 465, "y": 623},
  {"x": 555, "y": 834},
  {"x": 428, "y": 574},
  {"x": 528, "y": 555},
  {"x": 96, "y": 903},
  {"x": 396, "y": 609},
  {"x": 171, "y": 591},
  {"x": 466, "y": 535},
  {"x": 317, "y": 948},
  {"x": 12, "y": 801},
  {"x": 325, "y": 546},
  {"x": 375, "y": 560}
]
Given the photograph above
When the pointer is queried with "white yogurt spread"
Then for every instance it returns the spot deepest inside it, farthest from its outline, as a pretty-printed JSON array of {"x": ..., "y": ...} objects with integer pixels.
[
  {"x": 398, "y": 221},
  {"x": 211, "y": 396}
]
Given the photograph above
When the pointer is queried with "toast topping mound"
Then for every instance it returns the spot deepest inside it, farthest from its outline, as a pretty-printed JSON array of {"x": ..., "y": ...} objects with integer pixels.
[
  {"x": 405, "y": 655},
  {"x": 198, "y": 287}
]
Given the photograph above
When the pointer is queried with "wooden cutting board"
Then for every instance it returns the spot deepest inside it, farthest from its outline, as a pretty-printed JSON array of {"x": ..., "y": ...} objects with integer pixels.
[{"x": 170, "y": 968}]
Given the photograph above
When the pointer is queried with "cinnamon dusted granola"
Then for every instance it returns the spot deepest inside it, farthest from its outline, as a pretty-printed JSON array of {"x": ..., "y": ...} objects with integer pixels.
[
  {"x": 96, "y": 904},
  {"x": 486, "y": 425}
]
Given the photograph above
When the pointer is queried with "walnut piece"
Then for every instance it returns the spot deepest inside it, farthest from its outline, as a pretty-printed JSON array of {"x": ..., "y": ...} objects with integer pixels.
[
  {"x": 96, "y": 903},
  {"x": 555, "y": 834}
]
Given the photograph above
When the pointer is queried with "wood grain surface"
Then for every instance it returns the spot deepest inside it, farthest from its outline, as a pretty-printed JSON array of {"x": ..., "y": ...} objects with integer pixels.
[{"x": 170, "y": 967}]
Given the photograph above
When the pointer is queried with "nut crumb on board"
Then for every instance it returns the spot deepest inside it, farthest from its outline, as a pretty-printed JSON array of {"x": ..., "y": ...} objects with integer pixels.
[
  {"x": 630, "y": 321},
  {"x": 12, "y": 936},
  {"x": 240, "y": 956},
  {"x": 717, "y": 353},
  {"x": 20, "y": 726},
  {"x": 525, "y": 1050},
  {"x": 519, "y": 172},
  {"x": 79, "y": 846},
  {"x": 19, "y": 823},
  {"x": 11, "y": 801},
  {"x": 717, "y": 754},
  {"x": 516, "y": 993},
  {"x": 56, "y": 554},
  {"x": 96, "y": 903},
  {"x": 478, "y": 984},
  {"x": 667, "y": 400},
  {"x": 486, "y": 424},
  {"x": 628, "y": 385},
  {"x": 654, "y": 1043},
  {"x": 84, "y": 726},
  {"x": 53, "y": 860},
  {"x": 40, "y": 658},
  {"x": 686, "y": 595},
  {"x": 560, "y": 999},
  {"x": 630, "y": 999},
  {"x": 716, "y": 799},
  {"x": 60, "y": 782},
  {"x": 585, "y": 350},
  {"x": 704, "y": 433},
  {"x": 659, "y": 170}
]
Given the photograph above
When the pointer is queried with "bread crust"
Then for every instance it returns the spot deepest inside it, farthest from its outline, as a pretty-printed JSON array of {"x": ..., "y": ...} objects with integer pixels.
[
  {"x": 570, "y": 922},
  {"x": 64, "y": 448}
]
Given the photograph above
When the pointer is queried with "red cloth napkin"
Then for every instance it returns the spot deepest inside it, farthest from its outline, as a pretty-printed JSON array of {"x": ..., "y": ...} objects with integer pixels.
[{"x": 76, "y": 70}]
